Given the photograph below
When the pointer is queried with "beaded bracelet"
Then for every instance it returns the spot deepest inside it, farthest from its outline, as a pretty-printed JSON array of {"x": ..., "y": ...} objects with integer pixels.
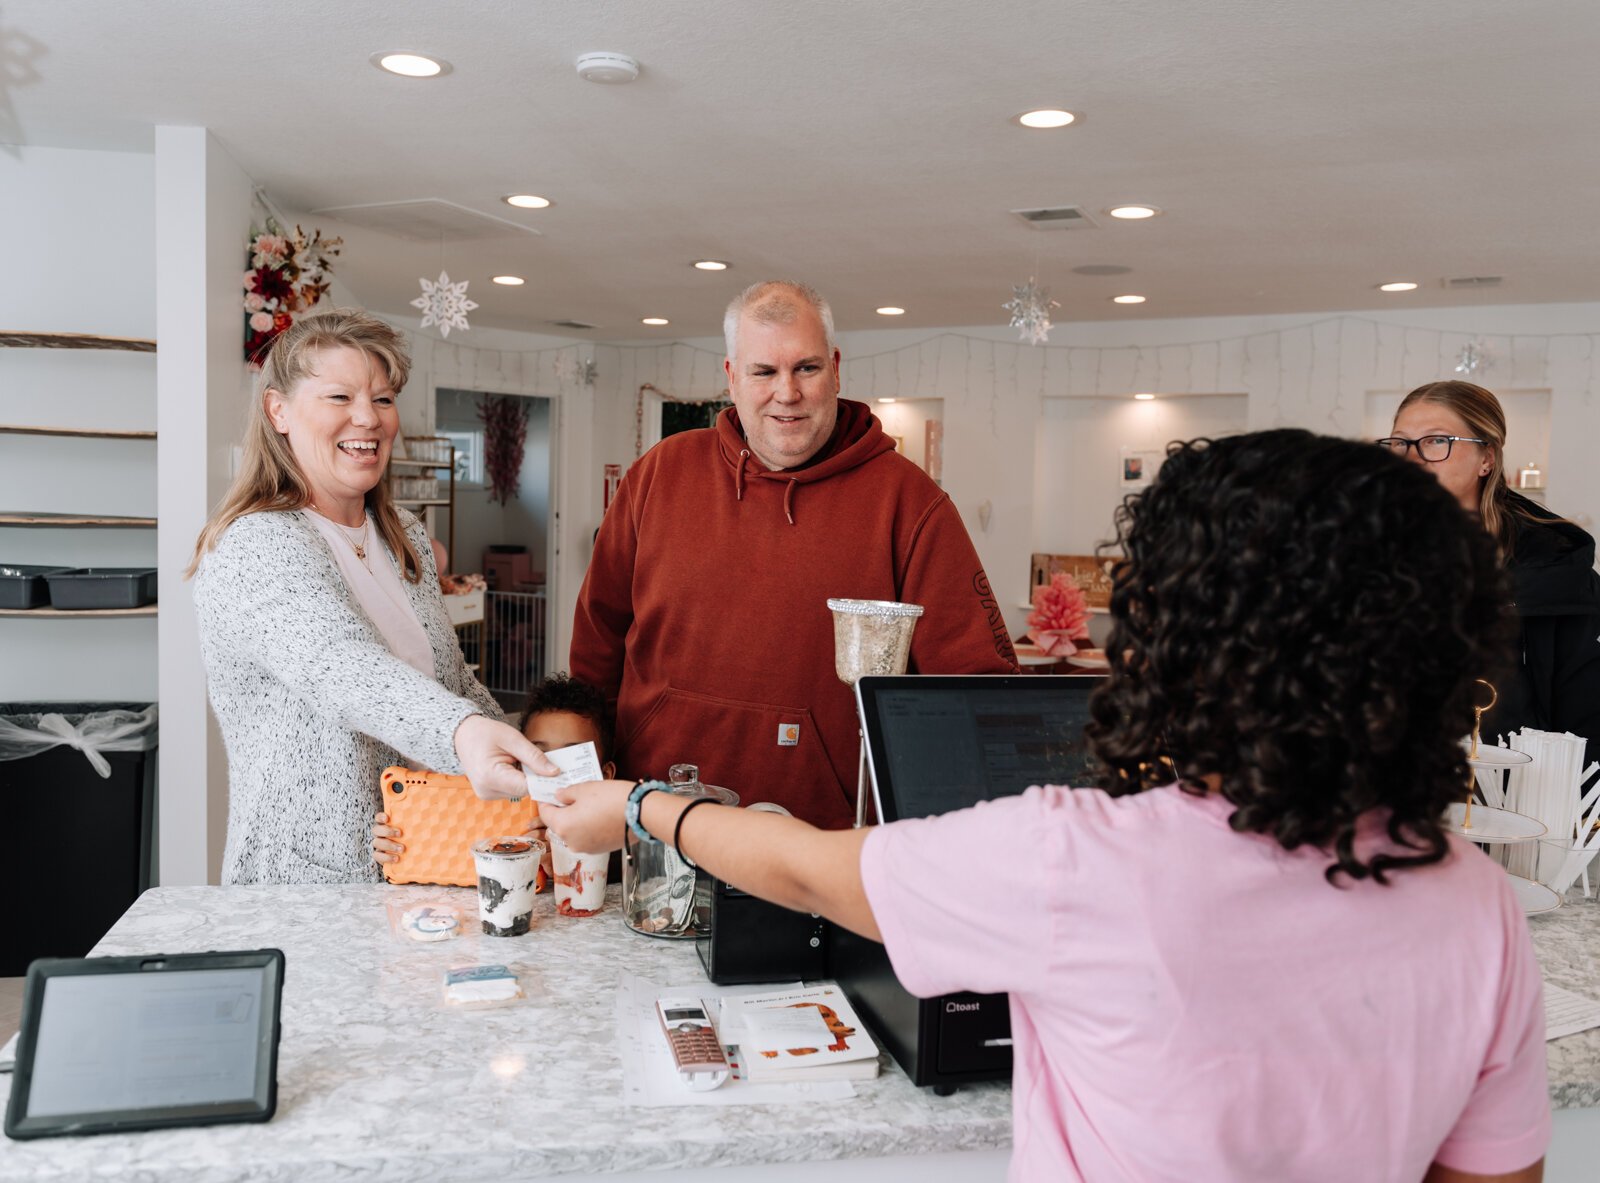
[
  {"x": 635, "y": 798},
  {"x": 677, "y": 830}
]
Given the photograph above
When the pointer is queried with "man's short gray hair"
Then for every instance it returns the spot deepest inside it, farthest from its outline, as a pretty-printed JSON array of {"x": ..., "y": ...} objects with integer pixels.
[{"x": 775, "y": 301}]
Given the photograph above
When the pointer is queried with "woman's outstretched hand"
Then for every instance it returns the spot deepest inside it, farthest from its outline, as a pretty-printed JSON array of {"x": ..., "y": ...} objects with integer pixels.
[
  {"x": 494, "y": 755},
  {"x": 590, "y": 817}
]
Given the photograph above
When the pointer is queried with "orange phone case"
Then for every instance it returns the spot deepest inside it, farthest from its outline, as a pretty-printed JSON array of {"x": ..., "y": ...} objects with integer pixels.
[{"x": 439, "y": 818}]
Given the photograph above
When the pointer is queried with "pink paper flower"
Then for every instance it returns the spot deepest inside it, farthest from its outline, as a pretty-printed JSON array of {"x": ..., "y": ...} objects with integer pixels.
[
  {"x": 261, "y": 321},
  {"x": 254, "y": 303},
  {"x": 1060, "y": 616}
]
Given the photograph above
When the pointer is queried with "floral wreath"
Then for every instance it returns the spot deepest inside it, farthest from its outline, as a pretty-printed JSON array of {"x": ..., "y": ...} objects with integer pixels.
[{"x": 288, "y": 274}]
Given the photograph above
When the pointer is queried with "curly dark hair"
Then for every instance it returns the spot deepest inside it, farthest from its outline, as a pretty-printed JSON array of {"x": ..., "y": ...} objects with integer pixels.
[
  {"x": 562, "y": 692},
  {"x": 1303, "y": 617}
]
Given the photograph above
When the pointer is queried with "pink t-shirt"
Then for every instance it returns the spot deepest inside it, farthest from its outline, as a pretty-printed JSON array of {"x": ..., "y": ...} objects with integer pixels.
[{"x": 1192, "y": 1003}]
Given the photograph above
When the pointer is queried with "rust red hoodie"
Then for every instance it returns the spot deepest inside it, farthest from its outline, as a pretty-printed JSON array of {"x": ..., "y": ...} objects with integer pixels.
[{"x": 704, "y": 612}]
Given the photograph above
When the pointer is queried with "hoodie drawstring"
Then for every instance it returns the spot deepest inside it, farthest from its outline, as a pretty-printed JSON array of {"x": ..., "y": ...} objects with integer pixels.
[{"x": 738, "y": 486}]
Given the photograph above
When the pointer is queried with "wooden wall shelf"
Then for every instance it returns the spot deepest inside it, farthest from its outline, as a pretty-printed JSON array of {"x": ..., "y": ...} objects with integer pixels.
[
  {"x": 55, "y": 520},
  {"x": 16, "y": 340},
  {"x": 59, "y": 614},
  {"x": 402, "y": 462},
  {"x": 77, "y": 432}
]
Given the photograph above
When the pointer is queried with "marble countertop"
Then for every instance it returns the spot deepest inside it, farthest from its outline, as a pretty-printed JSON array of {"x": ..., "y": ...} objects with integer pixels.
[
  {"x": 377, "y": 1081},
  {"x": 1568, "y": 943}
]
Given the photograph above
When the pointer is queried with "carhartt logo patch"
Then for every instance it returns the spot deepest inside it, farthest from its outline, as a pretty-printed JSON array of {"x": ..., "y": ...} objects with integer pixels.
[{"x": 788, "y": 735}]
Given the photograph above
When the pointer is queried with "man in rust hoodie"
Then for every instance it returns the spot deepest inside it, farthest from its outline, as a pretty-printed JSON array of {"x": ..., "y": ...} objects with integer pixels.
[{"x": 704, "y": 613}]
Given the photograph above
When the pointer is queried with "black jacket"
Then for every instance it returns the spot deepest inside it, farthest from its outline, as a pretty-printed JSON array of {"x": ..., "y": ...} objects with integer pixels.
[{"x": 1557, "y": 598}]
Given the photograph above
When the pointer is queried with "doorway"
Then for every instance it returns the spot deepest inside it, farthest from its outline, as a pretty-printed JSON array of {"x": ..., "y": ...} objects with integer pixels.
[{"x": 509, "y": 540}]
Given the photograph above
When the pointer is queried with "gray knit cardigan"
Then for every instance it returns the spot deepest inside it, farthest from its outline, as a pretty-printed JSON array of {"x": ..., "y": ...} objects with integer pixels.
[{"x": 312, "y": 704}]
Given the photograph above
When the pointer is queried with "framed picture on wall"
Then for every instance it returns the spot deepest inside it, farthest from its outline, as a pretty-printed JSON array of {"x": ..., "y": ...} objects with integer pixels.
[{"x": 1137, "y": 467}]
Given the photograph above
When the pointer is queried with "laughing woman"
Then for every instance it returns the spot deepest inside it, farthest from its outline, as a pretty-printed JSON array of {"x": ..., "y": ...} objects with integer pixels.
[{"x": 327, "y": 649}]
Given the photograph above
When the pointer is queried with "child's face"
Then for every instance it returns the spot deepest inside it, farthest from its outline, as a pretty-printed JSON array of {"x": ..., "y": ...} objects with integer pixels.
[{"x": 549, "y": 730}]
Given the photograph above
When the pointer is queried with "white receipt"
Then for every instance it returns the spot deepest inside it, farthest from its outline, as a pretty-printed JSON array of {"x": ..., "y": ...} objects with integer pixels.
[
  {"x": 579, "y": 764},
  {"x": 785, "y": 1027},
  {"x": 1566, "y": 1013}
]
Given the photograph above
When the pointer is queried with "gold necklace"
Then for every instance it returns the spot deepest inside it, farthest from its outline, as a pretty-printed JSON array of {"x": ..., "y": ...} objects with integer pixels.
[{"x": 359, "y": 547}]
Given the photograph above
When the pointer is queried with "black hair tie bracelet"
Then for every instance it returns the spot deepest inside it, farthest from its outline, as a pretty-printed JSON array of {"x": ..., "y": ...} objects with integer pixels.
[{"x": 677, "y": 830}]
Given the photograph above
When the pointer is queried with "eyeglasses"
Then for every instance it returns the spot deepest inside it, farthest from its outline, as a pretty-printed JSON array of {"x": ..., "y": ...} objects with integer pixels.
[{"x": 1432, "y": 448}]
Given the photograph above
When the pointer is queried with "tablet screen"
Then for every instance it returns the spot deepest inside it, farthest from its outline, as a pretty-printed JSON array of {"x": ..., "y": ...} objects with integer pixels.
[{"x": 134, "y": 1042}]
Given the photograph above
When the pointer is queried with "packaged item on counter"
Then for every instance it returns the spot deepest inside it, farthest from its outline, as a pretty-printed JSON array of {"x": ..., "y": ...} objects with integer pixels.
[
  {"x": 428, "y": 921},
  {"x": 480, "y": 987}
]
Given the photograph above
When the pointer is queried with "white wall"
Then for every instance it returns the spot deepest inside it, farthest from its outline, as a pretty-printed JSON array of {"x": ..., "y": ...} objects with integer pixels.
[
  {"x": 78, "y": 262},
  {"x": 1077, "y": 476},
  {"x": 203, "y": 215}
]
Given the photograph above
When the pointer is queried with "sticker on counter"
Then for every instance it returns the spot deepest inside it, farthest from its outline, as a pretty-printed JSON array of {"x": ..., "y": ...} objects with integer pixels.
[{"x": 788, "y": 735}]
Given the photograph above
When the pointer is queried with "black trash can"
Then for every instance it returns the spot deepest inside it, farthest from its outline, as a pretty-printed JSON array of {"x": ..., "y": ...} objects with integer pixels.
[{"x": 80, "y": 849}]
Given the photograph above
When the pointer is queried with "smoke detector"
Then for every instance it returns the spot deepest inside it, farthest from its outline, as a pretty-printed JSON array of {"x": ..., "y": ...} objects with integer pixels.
[{"x": 607, "y": 67}]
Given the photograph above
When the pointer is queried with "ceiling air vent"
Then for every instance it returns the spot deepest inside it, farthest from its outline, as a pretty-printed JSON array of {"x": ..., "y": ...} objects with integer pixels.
[
  {"x": 1468, "y": 282},
  {"x": 430, "y": 219},
  {"x": 572, "y": 324},
  {"x": 1060, "y": 217}
]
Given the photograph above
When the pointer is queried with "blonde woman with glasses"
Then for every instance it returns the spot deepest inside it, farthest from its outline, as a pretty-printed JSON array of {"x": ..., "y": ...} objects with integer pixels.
[
  {"x": 327, "y": 649},
  {"x": 1457, "y": 431}
]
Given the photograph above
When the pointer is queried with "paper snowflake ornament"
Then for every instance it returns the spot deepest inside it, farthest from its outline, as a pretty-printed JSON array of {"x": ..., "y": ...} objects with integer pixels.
[
  {"x": 1473, "y": 359},
  {"x": 1030, "y": 307},
  {"x": 444, "y": 304}
]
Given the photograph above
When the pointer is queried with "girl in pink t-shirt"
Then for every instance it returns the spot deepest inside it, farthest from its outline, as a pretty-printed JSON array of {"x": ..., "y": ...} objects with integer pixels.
[{"x": 1252, "y": 953}]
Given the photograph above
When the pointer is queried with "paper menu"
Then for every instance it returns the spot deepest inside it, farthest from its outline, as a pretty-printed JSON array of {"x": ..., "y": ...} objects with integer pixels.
[
  {"x": 579, "y": 764},
  {"x": 1566, "y": 1013}
]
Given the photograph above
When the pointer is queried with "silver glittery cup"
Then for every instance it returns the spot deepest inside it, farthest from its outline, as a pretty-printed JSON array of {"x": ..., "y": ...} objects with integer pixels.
[{"x": 871, "y": 637}]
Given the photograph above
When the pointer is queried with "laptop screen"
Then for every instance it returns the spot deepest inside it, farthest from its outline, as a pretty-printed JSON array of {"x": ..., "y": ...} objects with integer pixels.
[{"x": 937, "y": 743}]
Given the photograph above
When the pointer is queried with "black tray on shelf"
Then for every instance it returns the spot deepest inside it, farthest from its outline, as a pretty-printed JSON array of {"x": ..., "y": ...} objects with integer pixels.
[
  {"x": 102, "y": 587},
  {"x": 25, "y": 587}
]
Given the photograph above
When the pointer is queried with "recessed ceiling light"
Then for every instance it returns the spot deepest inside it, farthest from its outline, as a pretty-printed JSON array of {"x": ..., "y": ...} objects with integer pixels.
[
  {"x": 511, "y": 281},
  {"x": 1133, "y": 212},
  {"x": 655, "y": 320},
  {"x": 1127, "y": 299},
  {"x": 526, "y": 201},
  {"x": 886, "y": 400},
  {"x": 1397, "y": 286},
  {"x": 410, "y": 65},
  {"x": 710, "y": 265},
  {"x": 1145, "y": 398},
  {"x": 1046, "y": 118},
  {"x": 891, "y": 310}
]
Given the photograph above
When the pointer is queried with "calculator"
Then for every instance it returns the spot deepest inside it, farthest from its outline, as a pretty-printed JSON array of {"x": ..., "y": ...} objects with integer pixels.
[{"x": 693, "y": 1041}]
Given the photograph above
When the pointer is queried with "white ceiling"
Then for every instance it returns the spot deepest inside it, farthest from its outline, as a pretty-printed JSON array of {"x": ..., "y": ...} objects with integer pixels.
[{"x": 1303, "y": 152}]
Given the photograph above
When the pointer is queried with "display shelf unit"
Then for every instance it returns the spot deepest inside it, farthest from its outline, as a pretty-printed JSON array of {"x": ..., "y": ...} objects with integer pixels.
[
  {"x": 78, "y": 613},
  {"x": 446, "y": 503},
  {"x": 12, "y": 339},
  {"x": 73, "y": 520},
  {"x": 88, "y": 433}
]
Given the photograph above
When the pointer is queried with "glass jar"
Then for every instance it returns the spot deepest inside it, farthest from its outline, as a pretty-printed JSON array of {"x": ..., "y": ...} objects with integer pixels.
[{"x": 663, "y": 896}]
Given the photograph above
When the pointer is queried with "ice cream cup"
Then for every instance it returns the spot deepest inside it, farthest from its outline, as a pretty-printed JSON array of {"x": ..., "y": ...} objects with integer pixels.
[
  {"x": 579, "y": 879},
  {"x": 508, "y": 878}
]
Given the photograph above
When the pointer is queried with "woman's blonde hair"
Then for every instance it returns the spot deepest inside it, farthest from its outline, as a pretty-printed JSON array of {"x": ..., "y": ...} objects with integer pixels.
[
  {"x": 1481, "y": 412},
  {"x": 269, "y": 477}
]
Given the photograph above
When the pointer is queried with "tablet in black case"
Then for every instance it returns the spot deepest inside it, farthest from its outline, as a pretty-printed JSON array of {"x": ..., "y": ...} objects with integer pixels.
[{"x": 111, "y": 1044}]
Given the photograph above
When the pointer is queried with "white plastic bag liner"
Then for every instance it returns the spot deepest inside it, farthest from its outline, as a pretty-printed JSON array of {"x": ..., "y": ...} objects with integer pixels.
[{"x": 103, "y": 731}]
